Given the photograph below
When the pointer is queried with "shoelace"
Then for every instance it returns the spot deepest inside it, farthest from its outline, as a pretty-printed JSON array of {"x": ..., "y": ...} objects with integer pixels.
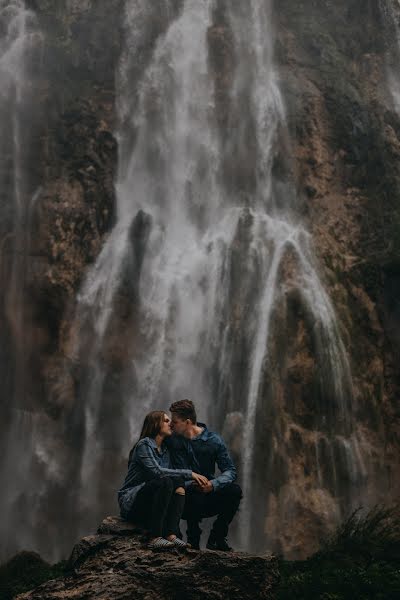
[{"x": 161, "y": 543}]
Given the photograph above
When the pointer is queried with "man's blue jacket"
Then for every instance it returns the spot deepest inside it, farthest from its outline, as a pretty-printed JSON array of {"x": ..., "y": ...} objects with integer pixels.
[{"x": 201, "y": 454}]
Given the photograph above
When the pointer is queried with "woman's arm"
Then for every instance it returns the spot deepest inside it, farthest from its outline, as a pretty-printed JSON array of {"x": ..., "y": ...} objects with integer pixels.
[{"x": 144, "y": 453}]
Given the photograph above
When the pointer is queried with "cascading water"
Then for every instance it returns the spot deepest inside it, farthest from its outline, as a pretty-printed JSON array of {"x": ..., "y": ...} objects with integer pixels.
[
  {"x": 390, "y": 10},
  {"x": 204, "y": 236},
  {"x": 202, "y": 289},
  {"x": 17, "y": 23},
  {"x": 19, "y": 438}
]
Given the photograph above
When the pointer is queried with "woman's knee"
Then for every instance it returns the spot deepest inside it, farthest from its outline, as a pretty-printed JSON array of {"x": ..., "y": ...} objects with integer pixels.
[
  {"x": 180, "y": 491},
  {"x": 167, "y": 484},
  {"x": 178, "y": 482}
]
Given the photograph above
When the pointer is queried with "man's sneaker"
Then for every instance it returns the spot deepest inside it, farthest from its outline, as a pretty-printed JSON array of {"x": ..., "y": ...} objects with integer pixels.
[
  {"x": 218, "y": 544},
  {"x": 194, "y": 544}
]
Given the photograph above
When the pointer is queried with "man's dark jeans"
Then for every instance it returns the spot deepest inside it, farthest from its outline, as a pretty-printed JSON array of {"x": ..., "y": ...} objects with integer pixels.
[{"x": 223, "y": 502}]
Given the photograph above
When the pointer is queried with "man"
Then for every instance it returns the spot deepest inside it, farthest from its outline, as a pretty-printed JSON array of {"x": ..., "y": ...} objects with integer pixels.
[{"x": 194, "y": 447}]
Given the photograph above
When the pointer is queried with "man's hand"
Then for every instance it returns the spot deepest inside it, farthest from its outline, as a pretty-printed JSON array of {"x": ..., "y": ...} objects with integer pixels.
[
  {"x": 199, "y": 480},
  {"x": 206, "y": 489}
]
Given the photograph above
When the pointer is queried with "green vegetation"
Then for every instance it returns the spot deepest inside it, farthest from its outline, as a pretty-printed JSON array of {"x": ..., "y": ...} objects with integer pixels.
[
  {"x": 360, "y": 562},
  {"x": 26, "y": 571}
]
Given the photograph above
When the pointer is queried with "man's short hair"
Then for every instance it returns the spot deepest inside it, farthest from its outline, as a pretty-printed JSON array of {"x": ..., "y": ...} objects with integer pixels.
[{"x": 185, "y": 410}]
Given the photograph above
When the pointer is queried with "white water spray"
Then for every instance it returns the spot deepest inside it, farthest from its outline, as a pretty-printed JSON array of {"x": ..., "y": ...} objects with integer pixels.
[{"x": 170, "y": 168}]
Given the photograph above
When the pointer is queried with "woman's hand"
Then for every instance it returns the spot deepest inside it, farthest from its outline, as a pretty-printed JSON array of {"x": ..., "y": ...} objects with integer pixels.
[{"x": 199, "y": 479}]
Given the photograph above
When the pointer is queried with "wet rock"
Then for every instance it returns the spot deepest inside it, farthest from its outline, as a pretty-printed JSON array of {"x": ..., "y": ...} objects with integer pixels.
[
  {"x": 117, "y": 526},
  {"x": 88, "y": 546},
  {"x": 117, "y": 565}
]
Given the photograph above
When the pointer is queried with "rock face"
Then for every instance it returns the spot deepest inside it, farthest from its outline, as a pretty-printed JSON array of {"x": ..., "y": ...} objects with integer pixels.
[
  {"x": 344, "y": 131},
  {"x": 115, "y": 564},
  {"x": 69, "y": 164}
]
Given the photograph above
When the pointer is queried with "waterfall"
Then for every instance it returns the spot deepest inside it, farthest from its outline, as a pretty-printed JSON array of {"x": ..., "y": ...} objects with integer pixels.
[
  {"x": 20, "y": 440},
  {"x": 208, "y": 247},
  {"x": 390, "y": 10},
  {"x": 208, "y": 287},
  {"x": 19, "y": 34}
]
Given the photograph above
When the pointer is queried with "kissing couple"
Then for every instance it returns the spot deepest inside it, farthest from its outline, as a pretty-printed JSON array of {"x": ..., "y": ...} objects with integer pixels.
[{"x": 171, "y": 476}]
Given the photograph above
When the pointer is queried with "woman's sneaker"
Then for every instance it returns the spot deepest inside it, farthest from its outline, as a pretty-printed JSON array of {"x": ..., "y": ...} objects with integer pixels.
[
  {"x": 178, "y": 543},
  {"x": 160, "y": 544}
]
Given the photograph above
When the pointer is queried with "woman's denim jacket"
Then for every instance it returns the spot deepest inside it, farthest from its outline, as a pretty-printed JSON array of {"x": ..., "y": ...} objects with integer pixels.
[{"x": 145, "y": 463}]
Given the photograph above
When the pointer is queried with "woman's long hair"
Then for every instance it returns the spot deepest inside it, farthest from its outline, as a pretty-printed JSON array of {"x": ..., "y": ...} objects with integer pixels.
[{"x": 151, "y": 427}]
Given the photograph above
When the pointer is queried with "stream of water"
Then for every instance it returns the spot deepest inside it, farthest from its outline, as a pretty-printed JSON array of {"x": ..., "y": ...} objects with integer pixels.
[{"x": 172, "y": 176}]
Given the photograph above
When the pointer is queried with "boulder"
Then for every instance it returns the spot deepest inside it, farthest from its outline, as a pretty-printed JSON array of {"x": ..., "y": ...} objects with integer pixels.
[{"x": 115, "y": 564}]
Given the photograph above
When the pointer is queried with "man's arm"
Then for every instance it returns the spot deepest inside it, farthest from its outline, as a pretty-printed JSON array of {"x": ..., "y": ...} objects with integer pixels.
[{"x": 225, "y": 465}]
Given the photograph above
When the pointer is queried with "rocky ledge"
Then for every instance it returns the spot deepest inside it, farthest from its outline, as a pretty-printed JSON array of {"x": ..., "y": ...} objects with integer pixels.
[{"x": 115, "y": 564}]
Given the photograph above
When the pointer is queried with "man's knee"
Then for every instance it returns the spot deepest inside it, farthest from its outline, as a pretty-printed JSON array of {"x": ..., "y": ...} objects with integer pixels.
[
  {"x": 237, "y": 491},
  {"x": 194, "y": 504},
  {"x": 232, "y": 490}
]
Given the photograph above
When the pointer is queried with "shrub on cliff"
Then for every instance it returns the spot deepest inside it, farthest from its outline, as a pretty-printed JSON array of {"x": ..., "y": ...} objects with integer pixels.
[
  {"x": 25, "y": 571},
  {"x": 360, "y": 561}
]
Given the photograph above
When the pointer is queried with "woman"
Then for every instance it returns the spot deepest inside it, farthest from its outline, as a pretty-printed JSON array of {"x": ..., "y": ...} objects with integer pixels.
[{"x": 153, "y": 494}]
